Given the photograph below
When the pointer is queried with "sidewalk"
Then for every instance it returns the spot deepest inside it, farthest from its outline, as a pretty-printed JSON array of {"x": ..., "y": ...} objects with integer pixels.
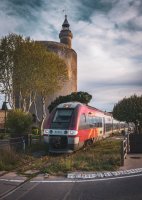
[{"x": 132, "y": 161}]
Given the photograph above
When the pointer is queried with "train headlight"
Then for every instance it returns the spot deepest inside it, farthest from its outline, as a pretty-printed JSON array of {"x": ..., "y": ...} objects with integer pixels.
[
  {"x": 73, "y": 132},
  {"x": 46, "y": 131}
]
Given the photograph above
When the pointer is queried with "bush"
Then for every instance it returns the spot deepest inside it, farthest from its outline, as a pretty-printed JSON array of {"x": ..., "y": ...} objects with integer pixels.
[{"x": 18, "y": 122}]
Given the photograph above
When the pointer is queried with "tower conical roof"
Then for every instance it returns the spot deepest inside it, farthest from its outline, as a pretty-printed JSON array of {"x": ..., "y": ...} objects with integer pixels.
[{"x": 65, "y": 23}]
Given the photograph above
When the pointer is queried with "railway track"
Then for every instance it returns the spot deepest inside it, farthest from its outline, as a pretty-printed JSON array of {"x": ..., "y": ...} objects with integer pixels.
[
  {"x": 28, "y": 177},
  {"x": 8, "y": 192}
]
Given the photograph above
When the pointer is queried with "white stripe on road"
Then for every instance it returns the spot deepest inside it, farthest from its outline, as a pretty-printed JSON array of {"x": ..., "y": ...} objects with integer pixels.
[
  {"x": 12, "y": 180},
  {"x": 96, "y": 175},
  {"x": 84, "y": 180}
]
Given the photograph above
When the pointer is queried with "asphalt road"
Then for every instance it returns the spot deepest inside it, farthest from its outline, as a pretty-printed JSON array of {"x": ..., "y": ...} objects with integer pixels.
[{"x": 126, "y": 188}]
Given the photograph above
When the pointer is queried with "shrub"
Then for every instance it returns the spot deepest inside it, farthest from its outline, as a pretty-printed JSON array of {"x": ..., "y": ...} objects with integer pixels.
[{"x": 18, "y": 122}]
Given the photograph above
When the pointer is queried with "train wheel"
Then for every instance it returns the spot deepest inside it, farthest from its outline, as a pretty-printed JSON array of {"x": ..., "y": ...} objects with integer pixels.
[{"x": 89, "y": 142}]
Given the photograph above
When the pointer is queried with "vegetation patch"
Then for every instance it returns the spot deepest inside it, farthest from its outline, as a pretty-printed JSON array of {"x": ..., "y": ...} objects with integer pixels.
[
  {"x": 13, "y": 160},
  {"x": 8, "y": 159},
  {"x": 104, "y": 155}
]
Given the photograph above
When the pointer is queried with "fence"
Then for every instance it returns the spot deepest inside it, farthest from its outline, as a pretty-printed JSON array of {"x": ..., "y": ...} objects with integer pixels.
[
  {"x": 125, "y": 148},
  {"x": 35, "y": 139},
  {"x": 17, "y": 144},
  {"x": 136, "y": 143},
  {"x": 20, "y": 143},
  {"x": 2, "y": 119}
]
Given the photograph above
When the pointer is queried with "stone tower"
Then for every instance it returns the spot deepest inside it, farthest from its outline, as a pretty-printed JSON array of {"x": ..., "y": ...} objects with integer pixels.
[
  {"x": 64, "y": 51},
  {"x": 65, "y": 34}
]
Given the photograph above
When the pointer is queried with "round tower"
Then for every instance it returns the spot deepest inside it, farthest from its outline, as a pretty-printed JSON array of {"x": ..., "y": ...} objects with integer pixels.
[
  {"x": 64, "y": 50},
  {"x": 65, "y": 34}
]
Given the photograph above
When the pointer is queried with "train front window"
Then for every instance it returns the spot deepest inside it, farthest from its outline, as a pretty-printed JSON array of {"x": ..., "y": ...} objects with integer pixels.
[{"x": 62, "y": 118}]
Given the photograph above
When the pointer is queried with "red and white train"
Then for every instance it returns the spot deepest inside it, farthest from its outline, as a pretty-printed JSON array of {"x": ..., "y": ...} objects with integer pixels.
[{"x": 72, "y": 125}]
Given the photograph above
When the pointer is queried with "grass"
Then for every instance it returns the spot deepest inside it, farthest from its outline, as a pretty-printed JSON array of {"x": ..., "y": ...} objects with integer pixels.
[
  {"x": 102, "y": 156},
  {"x": 4, "y": 135},
  {"x": 8, "y": 159}
]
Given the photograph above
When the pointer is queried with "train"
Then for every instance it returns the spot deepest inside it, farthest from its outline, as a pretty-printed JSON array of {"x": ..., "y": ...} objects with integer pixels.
[{"x": 73, "y": 125}]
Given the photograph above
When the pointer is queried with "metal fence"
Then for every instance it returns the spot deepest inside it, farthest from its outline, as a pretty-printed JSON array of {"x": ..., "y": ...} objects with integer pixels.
[
  {"x": 34, "y": 139},
  {"x": 17, "y": 144},
  {"x": 20, "y": 144}
]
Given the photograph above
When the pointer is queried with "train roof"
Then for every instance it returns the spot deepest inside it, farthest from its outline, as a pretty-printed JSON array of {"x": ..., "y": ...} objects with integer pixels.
[{"x": 75, "y": 104}]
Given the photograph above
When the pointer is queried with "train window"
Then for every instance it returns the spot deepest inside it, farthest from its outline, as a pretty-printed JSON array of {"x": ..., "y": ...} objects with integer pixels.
[
  {"x": 116, "y": 126},
  {"x": 97, "y": 121},
  {"x": 62, "y": 119},
  {"x": 108, "y": 126},
  {"x": 83, "y": 122},
  {"x": 90, "y": 120},
  {"x": 63, "y": 115},
  {"x": 101, "y": 123},
  {"x": 94, "y": 120}
]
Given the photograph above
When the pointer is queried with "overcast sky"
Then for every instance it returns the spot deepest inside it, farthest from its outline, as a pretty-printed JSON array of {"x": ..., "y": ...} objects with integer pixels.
[{"x": 107, "y": 36}]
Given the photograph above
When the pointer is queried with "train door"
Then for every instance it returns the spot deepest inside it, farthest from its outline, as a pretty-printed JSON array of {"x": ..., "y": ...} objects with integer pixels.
[
  {"x": 103, "y": 126},
  {"x": 99, "y": 126}
]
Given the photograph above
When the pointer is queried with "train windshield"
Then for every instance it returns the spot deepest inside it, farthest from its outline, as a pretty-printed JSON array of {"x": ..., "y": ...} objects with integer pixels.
[{"x": 62, "y": 119}]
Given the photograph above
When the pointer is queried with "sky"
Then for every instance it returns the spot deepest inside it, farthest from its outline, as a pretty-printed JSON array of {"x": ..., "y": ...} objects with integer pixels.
[{"x": 107, "y": 36}]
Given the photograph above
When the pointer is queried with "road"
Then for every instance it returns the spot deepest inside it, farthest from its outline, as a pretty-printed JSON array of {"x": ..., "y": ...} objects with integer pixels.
[{"x": 117, "y": 188}]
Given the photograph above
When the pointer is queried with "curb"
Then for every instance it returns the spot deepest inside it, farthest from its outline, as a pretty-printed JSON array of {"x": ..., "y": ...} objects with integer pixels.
[
  {"x": 80, "y": 176},
  {"x": 96, "y": 175}
]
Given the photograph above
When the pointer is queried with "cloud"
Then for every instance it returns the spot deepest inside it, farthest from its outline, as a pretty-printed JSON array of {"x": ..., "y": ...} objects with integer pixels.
[
  {"x": 111, "y": 56},
  {"x": 102, "y": 96}
]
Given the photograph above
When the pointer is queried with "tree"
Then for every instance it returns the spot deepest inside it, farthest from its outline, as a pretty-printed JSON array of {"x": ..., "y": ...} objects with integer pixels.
[
  {"x": 129, "y": 110},
  {"x": 82, "y": 97},
  {"x": 29, "y": 70},
  {"x": 53, "y": 78},
  {"x": 7, "y": 48}
]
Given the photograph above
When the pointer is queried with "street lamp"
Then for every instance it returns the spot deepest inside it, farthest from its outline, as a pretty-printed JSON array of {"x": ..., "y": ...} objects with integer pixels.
[{"x": 4, "y": 107}]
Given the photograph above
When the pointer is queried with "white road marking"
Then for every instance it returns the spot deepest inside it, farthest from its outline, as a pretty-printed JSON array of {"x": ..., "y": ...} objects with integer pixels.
[
  {"x": 83, "y": 175},
  {"x": 85, "y": 180},
  {"x": 12, "y": 180}
]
